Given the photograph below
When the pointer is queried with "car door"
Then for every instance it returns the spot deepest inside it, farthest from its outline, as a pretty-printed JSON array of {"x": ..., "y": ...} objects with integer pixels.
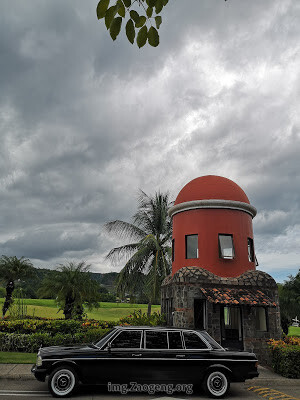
[
  {"x": 118, "y": 361},
  {"x": 163, "y": 351},
  {"x": 125, "y": 356},
  {"x": 197, "y": 356}
]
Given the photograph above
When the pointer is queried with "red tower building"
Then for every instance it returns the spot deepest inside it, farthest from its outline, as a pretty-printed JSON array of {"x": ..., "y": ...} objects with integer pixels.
[
  {"x": 214, "y": 283},
  {"x": 212, "y": 227}
]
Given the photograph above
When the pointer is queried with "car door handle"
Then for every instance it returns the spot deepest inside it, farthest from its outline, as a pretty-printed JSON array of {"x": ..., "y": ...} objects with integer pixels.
[
  {"x": 136, "y": 355},
  {"x": 180, "y": 356}
]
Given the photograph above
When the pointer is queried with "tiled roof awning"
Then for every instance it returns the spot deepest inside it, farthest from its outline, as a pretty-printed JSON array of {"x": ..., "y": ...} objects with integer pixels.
[{"x": 228, "y": 296}]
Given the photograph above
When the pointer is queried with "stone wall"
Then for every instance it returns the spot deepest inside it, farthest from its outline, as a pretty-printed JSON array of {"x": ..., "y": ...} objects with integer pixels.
[{"x": 184, "y": 287}]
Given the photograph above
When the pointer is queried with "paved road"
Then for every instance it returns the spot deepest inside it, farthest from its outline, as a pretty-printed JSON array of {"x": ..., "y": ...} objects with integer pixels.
[
  {"x": 18, "y": 389},
  {"x": 16, "y": 381}
]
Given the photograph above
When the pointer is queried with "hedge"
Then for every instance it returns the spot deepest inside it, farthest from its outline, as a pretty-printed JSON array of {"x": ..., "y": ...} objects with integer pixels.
[
  {"x": 30, "y": 343},
  {"x": 286, "y": 357},
  {"x": 51, "y": 326},
  {"x": 27, "y": 335}
]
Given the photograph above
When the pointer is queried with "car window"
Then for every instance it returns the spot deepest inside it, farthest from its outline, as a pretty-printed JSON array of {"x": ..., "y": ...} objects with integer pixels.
[
  {"x": 193, "y": 341},
  {"x": 156, "y": 340},
  {"x": 127, "y": 340},
  {"x": 175, "y": 340},
  {"x": 105, "y": 337},
  {"x": 211, "y": 341}
]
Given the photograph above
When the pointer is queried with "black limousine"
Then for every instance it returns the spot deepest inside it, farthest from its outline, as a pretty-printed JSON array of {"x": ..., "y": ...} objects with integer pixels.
[{"x": 145, "y": 355}]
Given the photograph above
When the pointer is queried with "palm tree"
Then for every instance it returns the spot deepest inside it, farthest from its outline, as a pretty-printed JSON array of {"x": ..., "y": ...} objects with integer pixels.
[
  {"x": 12, "y": 268},
  {"x": 289, "y": 300},
  {"x": 72, "y": 286},
  {"x": 148, "y": 257}
]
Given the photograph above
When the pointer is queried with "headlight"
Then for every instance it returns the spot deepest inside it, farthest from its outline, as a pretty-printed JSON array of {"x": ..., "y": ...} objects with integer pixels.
[{"x": 39, "y": 361}]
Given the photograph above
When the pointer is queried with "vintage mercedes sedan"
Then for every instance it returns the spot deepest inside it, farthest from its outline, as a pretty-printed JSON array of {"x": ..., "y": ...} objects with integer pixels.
[{"x": 145, "y": 355}]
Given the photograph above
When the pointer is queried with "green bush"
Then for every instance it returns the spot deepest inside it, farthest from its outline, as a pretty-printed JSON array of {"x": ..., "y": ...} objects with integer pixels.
[
  {"x": 30, "y": 343},
  {"x": 286, "y": 357},
  {"x": 138, "y": 318},
  {"x": 286, "y": 362},
  {"x": 51, "y": 327},
  {"x": 27, "y": 335}
]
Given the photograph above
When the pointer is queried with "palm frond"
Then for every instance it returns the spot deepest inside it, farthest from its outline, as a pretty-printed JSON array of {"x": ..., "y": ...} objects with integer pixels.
[
  {"x": 124, "y": 230},
  {"x": 134, "y": 266},
  {"x": 123, "y": 252}
]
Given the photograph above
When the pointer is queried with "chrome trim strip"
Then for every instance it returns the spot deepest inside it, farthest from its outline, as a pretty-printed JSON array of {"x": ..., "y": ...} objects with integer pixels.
[
  {"x": 213, "y": 203},
  {"x": 146, "y": 358}
]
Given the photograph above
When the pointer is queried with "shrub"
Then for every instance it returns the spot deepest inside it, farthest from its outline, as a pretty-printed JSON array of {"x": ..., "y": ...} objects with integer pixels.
[
  {"x": 138, "y": 318},
  {"x": 27, "y": 335},
  {"x": 51, "y": 327},
  {"x": 286, "y": 357},
  {"x": 30, "y": 343}
]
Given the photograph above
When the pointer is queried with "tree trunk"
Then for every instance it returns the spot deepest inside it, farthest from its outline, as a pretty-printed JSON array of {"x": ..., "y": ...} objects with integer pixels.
[
  {"x": 78, "y": 312},
  {"x": 149, "y": 309},
  {"x": 8, "y": 299},
  {"x": 68, "y": 309}
]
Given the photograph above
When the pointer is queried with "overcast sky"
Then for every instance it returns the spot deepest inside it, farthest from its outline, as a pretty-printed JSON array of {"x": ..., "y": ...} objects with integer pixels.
[{"x": 85, "y": 122}]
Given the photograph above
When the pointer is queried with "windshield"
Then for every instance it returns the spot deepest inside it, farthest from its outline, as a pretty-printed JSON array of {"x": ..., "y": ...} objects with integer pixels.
[
  {"x": 211, "y": 341},
  {"x": 105, "y": 337}
]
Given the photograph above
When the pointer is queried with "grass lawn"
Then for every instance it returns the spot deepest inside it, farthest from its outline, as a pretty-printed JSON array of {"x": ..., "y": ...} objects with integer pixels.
[
  {"x": 17, "y": 358},
  {"x": 107, "y": 311},
  {"x": 294, "y": 331}
]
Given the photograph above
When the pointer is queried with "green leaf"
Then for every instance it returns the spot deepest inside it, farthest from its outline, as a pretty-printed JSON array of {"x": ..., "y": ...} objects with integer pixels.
[
  {"x": 127, "y": 3},
  {"x": 141, "y": 22},
  {"x": 142, "y": 36},
  {"x": 130, "y": 31},
  {"x": 153, "y": 37},
  {"x": 158, "y": 21},
  {"x": 151, "y": 3},
  {"x": 115, "y": 27},
  {"x": 134, "y": 16},
  {"x": 149, "y": 12},
  {"x": 121, "y": 9},
  {"x": 101, "y": 8},
  {"x": 158, "y": 6},
  {"x": 109, "y": 16},
  {"x": 165, "y": 2}
]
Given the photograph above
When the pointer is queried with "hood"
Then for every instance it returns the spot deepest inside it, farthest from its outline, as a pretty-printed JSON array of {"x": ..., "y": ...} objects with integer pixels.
[{"x": 66, "y": 350}]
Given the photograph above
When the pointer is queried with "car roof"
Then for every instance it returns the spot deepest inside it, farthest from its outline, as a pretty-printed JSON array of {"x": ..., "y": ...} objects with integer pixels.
[{"x": 169, "y": 328}]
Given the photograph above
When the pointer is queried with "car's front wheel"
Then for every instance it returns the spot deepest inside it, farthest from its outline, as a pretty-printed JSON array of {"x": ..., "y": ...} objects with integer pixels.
[
  {"x": 216, "y": 384},
  {"x": 62, "y": 381}
]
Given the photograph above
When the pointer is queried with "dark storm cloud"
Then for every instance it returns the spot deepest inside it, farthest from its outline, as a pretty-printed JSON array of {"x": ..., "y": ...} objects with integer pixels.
[
  {"x": 49, "y": 244},
  {"x": 85, "y": 122}
]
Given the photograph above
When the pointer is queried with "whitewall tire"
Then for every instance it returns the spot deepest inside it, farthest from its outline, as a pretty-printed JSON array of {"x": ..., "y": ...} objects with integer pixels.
[
  {"x": 62, "y": 381},
  {"x": 216, "y": 384}
]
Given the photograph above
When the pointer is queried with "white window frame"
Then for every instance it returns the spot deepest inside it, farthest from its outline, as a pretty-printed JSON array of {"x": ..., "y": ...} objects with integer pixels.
[
  {"x": 221, "y": 254},
  {"x": 186, "y": 248}
]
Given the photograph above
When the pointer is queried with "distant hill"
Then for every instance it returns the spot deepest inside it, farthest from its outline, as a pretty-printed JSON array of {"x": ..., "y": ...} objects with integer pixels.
[{"x": 106, "y": 279}]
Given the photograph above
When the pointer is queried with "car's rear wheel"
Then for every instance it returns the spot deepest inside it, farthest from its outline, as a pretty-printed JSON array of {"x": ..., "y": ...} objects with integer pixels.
[
  {"x": 216, "y": 384},
  {"x": 62, "y": 381}
]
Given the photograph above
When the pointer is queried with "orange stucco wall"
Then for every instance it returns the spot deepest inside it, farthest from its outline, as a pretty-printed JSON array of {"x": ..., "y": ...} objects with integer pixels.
[{"x": 208, "y": 223}]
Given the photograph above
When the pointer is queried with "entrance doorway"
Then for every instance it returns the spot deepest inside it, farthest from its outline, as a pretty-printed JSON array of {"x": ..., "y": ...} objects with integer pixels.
[
  {"x": 200, "y": 314},
  {"x": 231, "y": 326}
]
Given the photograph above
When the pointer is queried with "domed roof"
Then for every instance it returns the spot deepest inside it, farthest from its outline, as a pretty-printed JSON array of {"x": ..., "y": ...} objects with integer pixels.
[{"x": 211, "y": 187}]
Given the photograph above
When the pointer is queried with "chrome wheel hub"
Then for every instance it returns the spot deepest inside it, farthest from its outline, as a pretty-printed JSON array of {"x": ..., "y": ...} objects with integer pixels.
[
  {"x": 63, "y": 382},
  {"x": 217, "y": 383}
]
